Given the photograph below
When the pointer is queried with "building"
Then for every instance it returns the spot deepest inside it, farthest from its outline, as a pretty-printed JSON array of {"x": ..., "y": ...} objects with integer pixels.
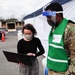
[{"x": 11, "y": 24}]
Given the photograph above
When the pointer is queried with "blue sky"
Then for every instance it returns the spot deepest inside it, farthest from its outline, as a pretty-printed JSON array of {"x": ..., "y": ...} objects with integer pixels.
[{"x": 17, "y": 8}]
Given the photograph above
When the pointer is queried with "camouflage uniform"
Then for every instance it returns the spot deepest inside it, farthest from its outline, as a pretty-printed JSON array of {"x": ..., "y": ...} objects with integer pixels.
[
  {"x": 69, "y": 45},
  {"x": 69, "y": 40}
]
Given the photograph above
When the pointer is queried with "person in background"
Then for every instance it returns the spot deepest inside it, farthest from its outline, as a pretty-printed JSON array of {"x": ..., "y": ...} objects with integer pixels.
[
  {"x": 29, "y": 45},
  {"x": 61, "y": 41}
]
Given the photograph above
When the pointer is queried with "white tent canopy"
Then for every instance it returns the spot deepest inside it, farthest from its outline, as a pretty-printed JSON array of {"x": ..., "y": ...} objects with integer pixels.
[{"x": 69, "y": 10}]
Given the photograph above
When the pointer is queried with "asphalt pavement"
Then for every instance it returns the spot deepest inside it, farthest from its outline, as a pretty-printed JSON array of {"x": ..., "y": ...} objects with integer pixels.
[{"x": 10, "y": 44}]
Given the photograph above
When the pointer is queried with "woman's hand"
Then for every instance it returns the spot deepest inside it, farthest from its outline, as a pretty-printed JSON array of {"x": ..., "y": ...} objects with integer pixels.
[
  {"x": 30, "y": 54},
  {"x": 21, "y": 64}
]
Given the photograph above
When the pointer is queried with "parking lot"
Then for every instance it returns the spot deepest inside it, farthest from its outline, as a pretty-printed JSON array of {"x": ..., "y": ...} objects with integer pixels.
[{"x": 10, "y": 44}]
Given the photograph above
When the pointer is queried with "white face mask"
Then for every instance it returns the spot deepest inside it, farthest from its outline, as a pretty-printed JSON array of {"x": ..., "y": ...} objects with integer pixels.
[{"x": 28, "y": 37}]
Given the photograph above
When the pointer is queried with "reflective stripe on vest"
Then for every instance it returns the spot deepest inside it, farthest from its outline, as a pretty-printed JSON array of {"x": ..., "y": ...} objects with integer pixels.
[
  {"x": 56, "y": 46},
  {"x": 57, "y": 60}
]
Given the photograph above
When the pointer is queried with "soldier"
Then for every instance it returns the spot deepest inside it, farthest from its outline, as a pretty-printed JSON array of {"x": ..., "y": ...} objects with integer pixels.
[{"x": 61, "y": 51}]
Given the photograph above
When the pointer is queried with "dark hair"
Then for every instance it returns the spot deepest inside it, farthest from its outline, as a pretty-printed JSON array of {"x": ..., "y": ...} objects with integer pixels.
[
  {"x": 29, "y": 27},
  {"x": 54, "y": 6}
]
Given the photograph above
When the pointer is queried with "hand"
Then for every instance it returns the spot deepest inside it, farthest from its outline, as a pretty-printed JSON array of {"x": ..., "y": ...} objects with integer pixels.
[
  {"x": 21, "y": 64},
  {"x": 18, "y": 63},
  {"x": 30, "y": 54}
]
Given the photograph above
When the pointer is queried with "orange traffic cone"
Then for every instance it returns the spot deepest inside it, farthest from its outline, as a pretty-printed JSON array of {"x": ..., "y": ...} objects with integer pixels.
[{"x": 3, "y": 38}]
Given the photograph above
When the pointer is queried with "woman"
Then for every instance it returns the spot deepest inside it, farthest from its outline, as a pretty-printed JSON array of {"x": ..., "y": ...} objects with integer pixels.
[{"x": 28, "y": 46}]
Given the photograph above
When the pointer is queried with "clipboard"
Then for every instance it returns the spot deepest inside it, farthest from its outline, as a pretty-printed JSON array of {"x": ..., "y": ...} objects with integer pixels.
[{"x": 17, "y": 57}]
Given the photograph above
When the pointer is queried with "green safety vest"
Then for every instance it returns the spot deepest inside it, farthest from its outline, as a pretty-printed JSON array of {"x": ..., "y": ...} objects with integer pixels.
[{"x": 57, "y": 59}]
